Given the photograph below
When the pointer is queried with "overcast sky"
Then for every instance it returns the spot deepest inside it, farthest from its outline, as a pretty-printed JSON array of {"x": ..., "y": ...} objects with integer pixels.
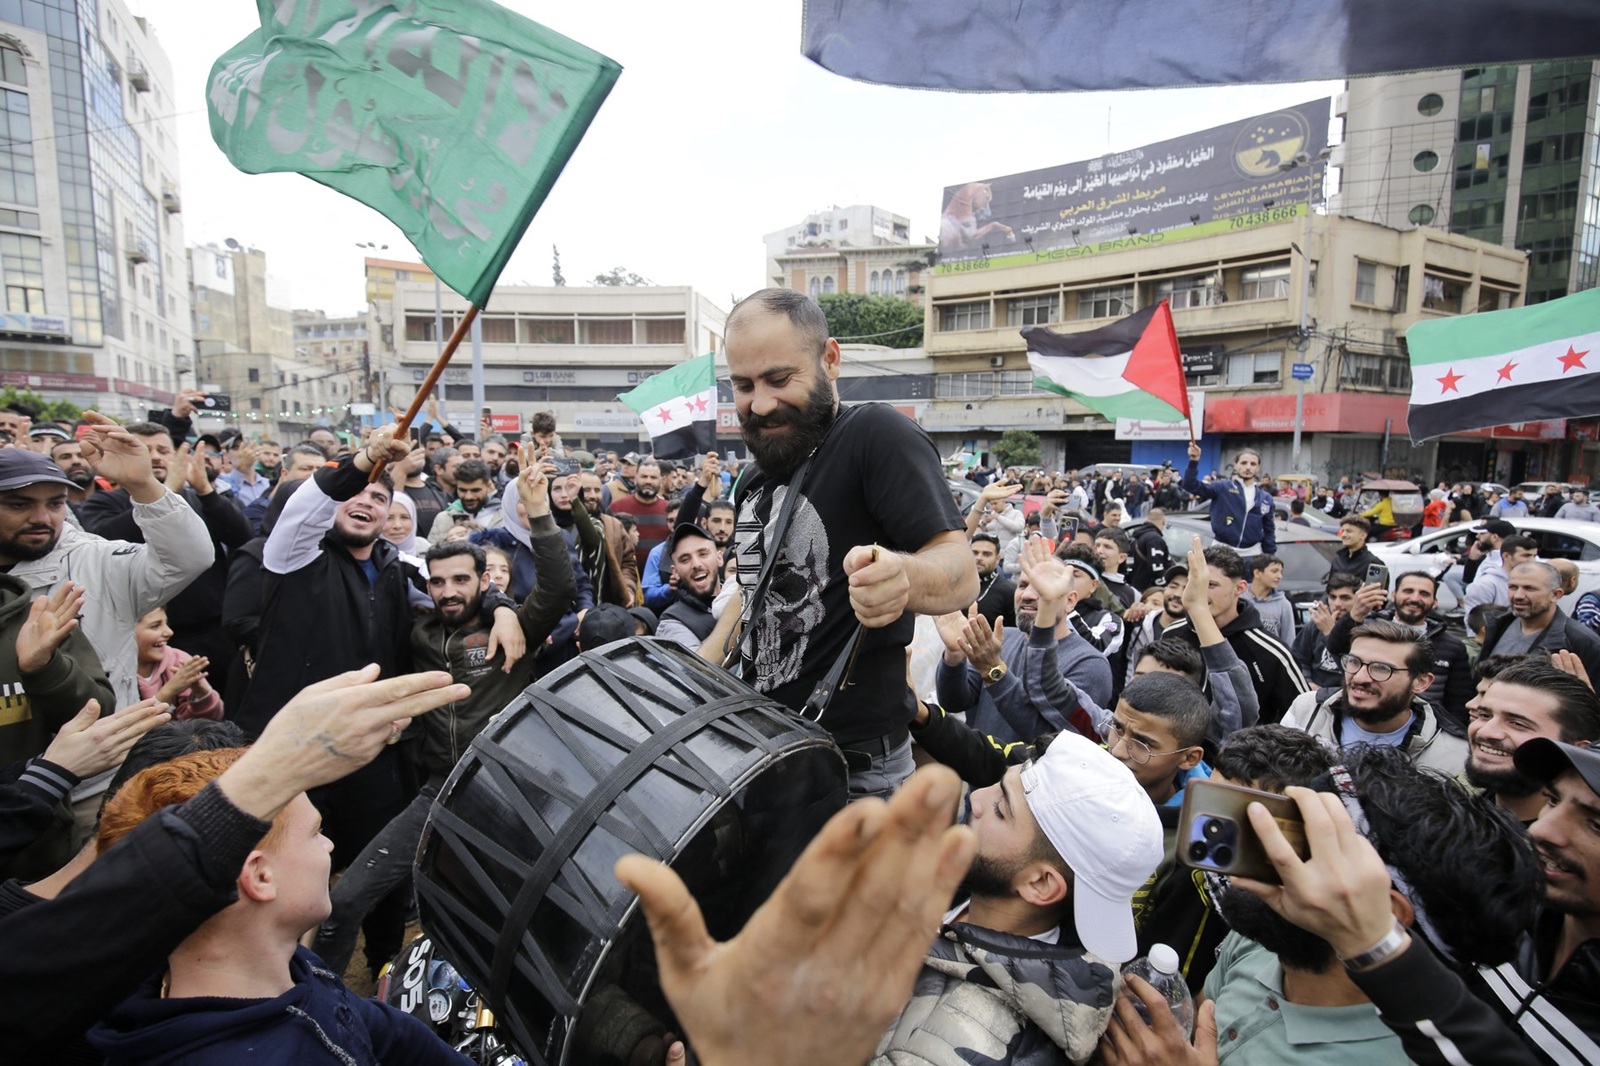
[{"x": 718, "y": 131}]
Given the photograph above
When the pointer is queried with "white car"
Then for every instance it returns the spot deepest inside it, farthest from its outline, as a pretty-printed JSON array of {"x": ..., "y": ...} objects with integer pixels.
[{"x": 1558, "y": 539}]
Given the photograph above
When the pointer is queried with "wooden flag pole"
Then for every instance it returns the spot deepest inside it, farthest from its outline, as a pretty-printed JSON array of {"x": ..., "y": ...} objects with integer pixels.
[{"x": 430, "y": 381}]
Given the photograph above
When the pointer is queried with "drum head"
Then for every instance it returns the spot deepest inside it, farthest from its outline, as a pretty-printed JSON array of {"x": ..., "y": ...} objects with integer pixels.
[{"x": 639, "y": 746}]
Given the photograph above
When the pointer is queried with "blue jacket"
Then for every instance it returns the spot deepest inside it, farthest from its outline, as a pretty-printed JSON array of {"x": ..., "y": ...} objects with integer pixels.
[
  {"x": 1037, "y": 695},
  {"x": 318, "y": 1020},
  {"x": 1230, "y": 524}
]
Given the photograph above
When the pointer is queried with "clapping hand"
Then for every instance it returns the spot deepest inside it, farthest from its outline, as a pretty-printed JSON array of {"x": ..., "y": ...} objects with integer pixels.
[
  {"x": 190, "y": 674},
  {"x": 50, "y": 619}
]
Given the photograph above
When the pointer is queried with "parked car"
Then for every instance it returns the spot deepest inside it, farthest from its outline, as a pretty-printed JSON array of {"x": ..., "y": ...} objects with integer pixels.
[
  {"x": 1557, "y": 538},
  {"x": 1307, "y": 554}
]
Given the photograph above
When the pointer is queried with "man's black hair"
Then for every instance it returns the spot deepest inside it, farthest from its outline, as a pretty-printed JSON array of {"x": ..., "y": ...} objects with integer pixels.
[
  {"x": 26, "y": 410},
  {"x": 474, "y": 470},
  {"x": 987, "y": 538},
  {"x": 1518, "y": 542},
  {"x": 1577, "y": 707},
  {"x": 1175, "y": 654},
  {"x": 803, "y": 313},
  {"x": 542, "y": 422},
  {"x": 1470, "y": 863},
  {"x": 1224, "y": 558},
  {"x": 452, "y": 548},
  {"x": 1483, "y": 615},
  {"x": 1116, "y": 536},
  {"x": 1343, "y": 579},
  {"x": 1426, "y": 575},
  {"x": 147, "y": 429},
  {"x": 1419, "y": 650},
  {"x": 1492, "y": 666},
  {"x": 1272, "y": 757},
  {"x": 1175, "y": 700},
  {"x": 1260, "y": 562},
  {"x": 720, "y": 505},
  {"x": 170, "y": 740}
]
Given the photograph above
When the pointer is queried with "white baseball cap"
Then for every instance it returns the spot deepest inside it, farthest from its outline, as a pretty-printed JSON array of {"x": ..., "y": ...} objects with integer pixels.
[{"x": 1104, "y": 826}]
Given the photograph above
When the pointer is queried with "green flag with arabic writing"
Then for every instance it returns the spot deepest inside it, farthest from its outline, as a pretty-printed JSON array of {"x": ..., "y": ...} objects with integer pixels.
[{"x": 452, "y": 118}]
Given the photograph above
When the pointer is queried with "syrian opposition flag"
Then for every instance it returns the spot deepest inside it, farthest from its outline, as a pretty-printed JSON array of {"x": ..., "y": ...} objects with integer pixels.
[
  {"x": 1496, "y": 368},
  {"x": 679, "y": 408},
  {"x": 1129, "y": 369}
]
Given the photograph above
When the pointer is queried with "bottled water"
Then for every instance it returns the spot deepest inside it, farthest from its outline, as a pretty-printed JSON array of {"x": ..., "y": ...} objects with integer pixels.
[{"x": 1160, "y": 969}]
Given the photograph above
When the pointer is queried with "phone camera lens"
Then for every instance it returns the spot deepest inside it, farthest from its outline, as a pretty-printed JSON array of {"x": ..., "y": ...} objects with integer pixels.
[
  {"x": 1222, "y": 855},
  {"x": 1212, "y": 828},
  {"x": 1198, "y": 851}
]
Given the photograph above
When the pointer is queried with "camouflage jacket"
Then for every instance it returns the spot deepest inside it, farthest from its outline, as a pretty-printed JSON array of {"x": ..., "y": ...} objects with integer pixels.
[{"x": 985, "y": 996}]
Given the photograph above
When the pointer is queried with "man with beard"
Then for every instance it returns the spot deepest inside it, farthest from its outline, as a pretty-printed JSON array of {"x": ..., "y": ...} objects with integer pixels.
[
  {"x": 195, "y": 614},
  {"x": 1024, "y": 969},
  {"x": 996, "y": 593},
  {"x": 697, "y": 565},
  {"x": 1529, "y": 698},
  {"x": 1415, "y": 596},
  {"x": 1009, "y": 682},
  {"x": 647, "y": 506},
  {"x": 1489, "y": 560},
  {"x": 619, "y": 545},
  {"x": 1386, "y": 671},
  {"x": 68, "y": 455},
  {"x": 1241, "y": 510},
  {"x": 475, "y": 502},
  {"x": 455, "y": 637},
  {"x": 873, "y": 537},
  {"x": 720, "y": 519},
  {"x": 1151, "y": 626},
  {"x": 1281, "y": 993},
  {"x": 1536, "y": 622}
]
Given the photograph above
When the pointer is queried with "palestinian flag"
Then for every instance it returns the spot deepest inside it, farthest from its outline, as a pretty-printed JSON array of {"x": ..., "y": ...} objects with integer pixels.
[
  {"x": 1129, "y": 369},
  {"x": 1497, "y": 368},
  {"x": 679, "y": 408}
]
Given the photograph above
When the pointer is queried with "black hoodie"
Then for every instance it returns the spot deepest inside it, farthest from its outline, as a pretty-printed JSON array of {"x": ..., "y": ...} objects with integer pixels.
[{"x": 1273, "y": 671}]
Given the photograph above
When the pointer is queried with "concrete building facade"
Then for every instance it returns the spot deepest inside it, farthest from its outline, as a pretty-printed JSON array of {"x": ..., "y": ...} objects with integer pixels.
[
  {"x": 245, "y": 340},
  {"x": 96, "y": 302},
  {"x": 1237, "y": 305}
]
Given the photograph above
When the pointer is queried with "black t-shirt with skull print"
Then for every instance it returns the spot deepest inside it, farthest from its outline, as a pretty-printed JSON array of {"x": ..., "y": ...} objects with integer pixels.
[{"x": 876, "y": 479}]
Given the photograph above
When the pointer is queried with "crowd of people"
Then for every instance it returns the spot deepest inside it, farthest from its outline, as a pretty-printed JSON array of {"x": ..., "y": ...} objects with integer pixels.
[{"x": 235, "y": 669}]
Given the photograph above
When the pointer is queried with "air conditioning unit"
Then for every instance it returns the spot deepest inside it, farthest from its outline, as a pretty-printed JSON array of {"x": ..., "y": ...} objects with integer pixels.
[{"x": 997, "y": 361}]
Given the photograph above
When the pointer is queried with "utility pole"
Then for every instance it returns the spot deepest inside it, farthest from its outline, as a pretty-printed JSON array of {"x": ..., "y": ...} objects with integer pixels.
[{"x": 1303, "y": 341}]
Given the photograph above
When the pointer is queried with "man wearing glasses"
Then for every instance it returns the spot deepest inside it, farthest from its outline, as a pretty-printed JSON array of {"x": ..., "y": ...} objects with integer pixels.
[{"x": 1386, "y": 671}]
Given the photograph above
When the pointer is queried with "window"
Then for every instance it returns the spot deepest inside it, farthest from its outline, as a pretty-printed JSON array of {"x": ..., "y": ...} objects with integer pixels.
[
  {"x": 827, "y": 285},
  {"x": 899, "y": 283},
  {"x": 12, "y": 71},
  {"x": 1443, "y": 294},
  {"x": 1113, "y": 302},
  {"x": 280, "y": 377},
  {"x": 402, "y": 275},
  {"x": 499, "y": 329},
  {"x": 1016, "y": 382},
  {"x": 1030, "y": 310},
  {"x": 1269, "y": 281},
  {"x": 22, "y": 263},
  {"x": 1254, "y": 368},
  {"x": 954, "y": 317},
  {"x": 1493, "y": 299},
  {"x": 1366, "y": 282},
  {"x": 663, "y": 331},
  {"x": 547, "y": 331},
  {"x": 1364, "y": 371},
  {"x": 1430, "y": 104},
  {"x": 978, "y": 385},
  {"x": 1421, "y": 215},
  {"x": 844, "y": 223},
  {"x": 816, "y": 287},
  {"x": 1196, "y": 290},
  {"x": 296, "y": 381},
  {"x": 605, "y": 331},
  {"x": 16, "y": 149},
  {"x": 255, "y": 402},
  {"x": 255, "y": 375},
  {"x": 872, "y": 283},
  {"x": 1425, "y": 160}
]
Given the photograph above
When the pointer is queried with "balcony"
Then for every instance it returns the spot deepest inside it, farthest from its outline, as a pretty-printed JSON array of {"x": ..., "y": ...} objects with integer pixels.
[
  {"x": 137, "y": 251},
  {"x": 138, "y": 76},
  {"x": 169, "y": 200}
]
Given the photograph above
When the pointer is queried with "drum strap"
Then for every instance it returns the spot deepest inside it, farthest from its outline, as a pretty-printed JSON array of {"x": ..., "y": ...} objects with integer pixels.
[{"x": 837, "y": 677}]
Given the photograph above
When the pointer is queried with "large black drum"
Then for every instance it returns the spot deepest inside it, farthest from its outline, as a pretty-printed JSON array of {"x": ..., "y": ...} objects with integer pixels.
[{"x": 639, "y": 746}]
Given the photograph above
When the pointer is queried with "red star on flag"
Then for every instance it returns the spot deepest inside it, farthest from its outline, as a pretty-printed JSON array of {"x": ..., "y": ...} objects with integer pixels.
[
  {"x": 1449, "y": 381},
  {"x": 698, "y": 403},
  {"x": 665, "y": 414},
  {"x": 1505, "y": 371},
  {"x": 1572, "y": 359}
]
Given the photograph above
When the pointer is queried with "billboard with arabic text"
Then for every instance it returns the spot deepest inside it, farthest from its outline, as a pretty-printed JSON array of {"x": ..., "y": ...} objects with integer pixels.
[{"x": 1228, "y": 177}]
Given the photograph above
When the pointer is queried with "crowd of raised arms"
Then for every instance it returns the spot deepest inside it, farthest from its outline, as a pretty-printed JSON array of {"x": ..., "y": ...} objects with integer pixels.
[{"x": 235, "y": 675}]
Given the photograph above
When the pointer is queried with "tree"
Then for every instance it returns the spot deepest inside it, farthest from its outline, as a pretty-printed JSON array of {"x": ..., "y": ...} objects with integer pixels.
[
  {"x": 49, "y": 410},
  {"x": 857, "y": 318},
  {"x": 1017, "y": 447},
  {"x": 619, "y": 276}
]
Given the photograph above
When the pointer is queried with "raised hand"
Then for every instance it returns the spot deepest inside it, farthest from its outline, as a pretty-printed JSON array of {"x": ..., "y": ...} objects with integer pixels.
[
  {"x": 89, "y": 744},
  {"x": 980, "y": 643},
  {"x": 190, "y": 672},
  {"x": 830, "y": 958},
  {"x": 952, "y": 629},
  {"x": 533, "y": 489},
  {"x": 880, "y": 588},
  {"x": 119, "y": 455},
  {"x": 50, "y": 619},
  {"x": 1050, "y": 577}
]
